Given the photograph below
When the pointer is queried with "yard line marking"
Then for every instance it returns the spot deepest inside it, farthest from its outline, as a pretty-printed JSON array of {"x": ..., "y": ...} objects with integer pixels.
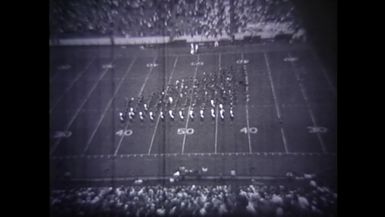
[
  {"x": 79, "y": 108},
  {"x": 165, "y": 92},
  {"x": 71, "y": 85},
  {"x": 197, "y": 154},
  {"x": 247, "y": 104},
  {"x": 216, "y": 129},
  {"x": 251, "y": 49},
  {"x": 189, "y": 107},
  {"x": 310, "y": 111},
  {"x": 325, "y": 74},
  {"x": 139, "y": 94},
  {"x": 108, "y": 106},
  {"x": 272, "y": 86},
  {"x": 284, "y": 140},
  {"x": 216, "y": 111},
  {"x": 278, "y": 112}
]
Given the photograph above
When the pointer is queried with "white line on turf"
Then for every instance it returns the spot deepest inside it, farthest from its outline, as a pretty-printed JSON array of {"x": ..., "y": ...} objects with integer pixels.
[
  {"x": 71, "y": 85},
  {"x": 310, "y": 111},
  {"x": 79, "y": 109},
  {"x": 276, "y": 103},
  {"x": 189, "y": 107},
  {"x": 284, "y": 140},
  {"x": 247, "y": 105},
  {"x": 272, "y": 86},
  {"x": 196, "y": 154},
  {"x": 108, "y": 106},
  {"x": 139, "y": 94},
  {"x": 165, "y": 92},
  {"x": 250, "y": 51},
  {"x": 216, "y": 111}
]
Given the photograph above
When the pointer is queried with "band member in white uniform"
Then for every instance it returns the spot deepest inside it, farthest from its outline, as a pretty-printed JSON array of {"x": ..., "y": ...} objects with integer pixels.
[
  {"x": 192, "y": 51},
  {"x": 212, "y": 103},
  {"x": 212, "y": 113},
  {"x": 221, "y": 111},
  {"x": 161, "y": 115},
  {"x": 181, "y": 114},
  {"x": 121, "y": 117},
  {"x": 145, "y": 107},
  {"x": 151, "y": 115},
  {"x": 141, "y": 116},
  {"x": 191, "y": 113},
  {"x": 171, "y": 114},
  {"x": 131, "y": 113}
]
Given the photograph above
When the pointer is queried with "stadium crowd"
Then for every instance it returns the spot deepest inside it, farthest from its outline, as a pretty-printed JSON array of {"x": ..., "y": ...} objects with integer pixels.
[
  {"x": 196, "y": 200},
  {"x": 174, "y": 18}
]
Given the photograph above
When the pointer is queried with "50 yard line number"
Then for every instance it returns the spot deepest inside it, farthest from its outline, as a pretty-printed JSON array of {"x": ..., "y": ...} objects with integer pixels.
[{"x": 182, "y": 131}]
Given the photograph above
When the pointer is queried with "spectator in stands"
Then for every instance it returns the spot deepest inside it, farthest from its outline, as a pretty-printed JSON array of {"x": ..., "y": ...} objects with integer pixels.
[
  {"x": 210, "y": 18},
  {"x": 252, "y": 200}
]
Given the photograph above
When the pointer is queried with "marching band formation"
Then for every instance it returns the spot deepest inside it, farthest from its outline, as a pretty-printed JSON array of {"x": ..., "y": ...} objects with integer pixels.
[{"x": 214, "y": 93}]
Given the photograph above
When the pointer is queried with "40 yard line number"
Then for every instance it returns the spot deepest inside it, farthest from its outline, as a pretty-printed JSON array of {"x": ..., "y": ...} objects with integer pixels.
[
  {"x": 124, "y": 132},
  {"x": 246, "y": 130}
]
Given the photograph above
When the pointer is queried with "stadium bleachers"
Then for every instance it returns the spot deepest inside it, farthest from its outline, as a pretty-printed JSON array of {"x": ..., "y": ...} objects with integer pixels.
[
  {"x": 257, "y": 199},
  {"x": 174, "y": 18}
]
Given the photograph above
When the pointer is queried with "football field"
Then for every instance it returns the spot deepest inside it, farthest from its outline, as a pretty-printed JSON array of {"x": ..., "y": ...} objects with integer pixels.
[{"x": 285, "y": 121}]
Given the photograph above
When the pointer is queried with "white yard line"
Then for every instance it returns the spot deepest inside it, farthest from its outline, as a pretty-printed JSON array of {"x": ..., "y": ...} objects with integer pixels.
[
  {"x": 139, "y": 94},
  {"x": 216, "y": 130},
  {"x": 108, "y": 106},
  {"x": 247, "y": 105},
  {"x": 249, "y": 51},
  {"x": 272, "y": 87},
  {"x": 216, "y": 110},
  {"x": 278, "y": 112},
  {"x": 310, "y": 111},
  {"x": 189, "y": 107},
  {"x": 69, "y": 124},
  {"x": 71, "y": 85},
  {"x": 284, "y": 140},
  {"x": 165, "y": 93}
]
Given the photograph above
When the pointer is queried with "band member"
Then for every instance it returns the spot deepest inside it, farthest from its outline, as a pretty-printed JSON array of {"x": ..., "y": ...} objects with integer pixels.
[
  {"x": 141, "y": 116},
  {"x": 121, "y": 117},
  {"x": 212, "y": 113},
  {"x": 181, "y": 114},
  {"x": 170, "y": 113},
  {"x": 151, "y": 116},
  {"x": 221, "y": 112},
  {"x": 131, "y": 113}
]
